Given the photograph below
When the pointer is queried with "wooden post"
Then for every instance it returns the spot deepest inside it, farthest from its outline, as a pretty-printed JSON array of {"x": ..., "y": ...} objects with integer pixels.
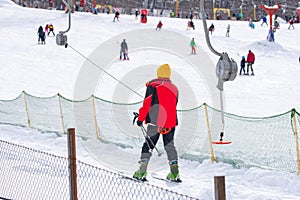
[
  {"x": 26, "y": 108},
  {"x": 294, "y": 115},
  {"x": 72, "y": 164},
  {"x": 209, "y": 134},
  {"x": 95, "y": 117},
  {"x": 61, "y": 114},
  {"x": 176, "y": 8},
  {"x": 220, "y": 193}
]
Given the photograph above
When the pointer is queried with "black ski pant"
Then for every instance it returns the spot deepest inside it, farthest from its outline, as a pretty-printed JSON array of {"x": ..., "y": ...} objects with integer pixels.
[
  {"x": 50, "y": 32},
  {"x": 249, "y": 65},
  {"x": 242, "y": 69},
  {"x": 150, "y": 143}
]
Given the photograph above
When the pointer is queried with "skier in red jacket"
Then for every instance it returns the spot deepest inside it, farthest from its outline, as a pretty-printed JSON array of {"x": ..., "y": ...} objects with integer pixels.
[
  {"x": 250, "y": 61},
  {"x": 159, "y": 112}
]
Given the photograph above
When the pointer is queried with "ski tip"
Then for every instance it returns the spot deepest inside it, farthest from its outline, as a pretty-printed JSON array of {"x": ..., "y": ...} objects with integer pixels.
[
  {"x": 142, "y": 180},
  {"x": 221, "y": 142},
  {"x": 174, "y": 181},
  {"x": 178, "y": 181}
]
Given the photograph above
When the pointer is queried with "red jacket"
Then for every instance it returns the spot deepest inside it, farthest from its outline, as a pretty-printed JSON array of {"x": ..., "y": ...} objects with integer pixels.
[
  {"x": 159, "y": 106},
  {"x": 250, "y": 57},
  {"x": 159, "y": 25}
]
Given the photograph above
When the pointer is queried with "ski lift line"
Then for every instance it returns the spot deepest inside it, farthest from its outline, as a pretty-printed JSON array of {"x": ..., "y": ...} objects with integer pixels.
[
  {"x": 205, "y": 29},
  {"x": 106, "y": 72}
]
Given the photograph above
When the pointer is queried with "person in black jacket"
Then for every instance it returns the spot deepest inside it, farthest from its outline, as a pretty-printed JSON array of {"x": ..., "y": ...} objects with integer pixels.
[
  {"x": 41, "y": 35},
  {"x": 243, "y": 64}
]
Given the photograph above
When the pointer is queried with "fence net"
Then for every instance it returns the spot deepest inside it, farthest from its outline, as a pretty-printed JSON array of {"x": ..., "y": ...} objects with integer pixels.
[
  {"x": 26, "y": 173},
  {"x": 267, "y": 142}
]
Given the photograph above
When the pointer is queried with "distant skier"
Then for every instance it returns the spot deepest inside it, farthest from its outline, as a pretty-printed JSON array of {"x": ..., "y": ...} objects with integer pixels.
[
  {"x": 117, "y": 15},
  {"x": 47, "y": 28},
  {"x": 211, "y": 28},
  {"x": 193, "y": 46},
  {"x": 137, "y": 13},
  {"x": 124, "y": 50},
  {"x": 291, "y": 22},
  {"x": 228, "y": 30},
  {"x": 276, "y": 25},
  {"x": 41, "y": 35},
  {"x": 190, "y": 25},
  {"x": 250, "y": 62},
  {"x": 243, "y": 64},
  {"x": 264, "y": 21},
  {"x": 251, "y": 24},
  {"x": 159, "y": 25},
  {"x": 51, "y": 29}
]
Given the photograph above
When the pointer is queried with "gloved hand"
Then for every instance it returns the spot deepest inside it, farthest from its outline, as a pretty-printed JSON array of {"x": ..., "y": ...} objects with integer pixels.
[{"x": 139, "y": 123}]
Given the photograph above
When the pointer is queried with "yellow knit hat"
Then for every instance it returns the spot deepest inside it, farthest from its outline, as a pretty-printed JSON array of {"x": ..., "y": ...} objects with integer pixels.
[{"x": 164, "y": 71}]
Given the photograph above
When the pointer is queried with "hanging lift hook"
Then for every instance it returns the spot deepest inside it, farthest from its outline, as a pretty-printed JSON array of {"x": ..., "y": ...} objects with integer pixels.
[
  {"x": 62, "y": 39},
  {"x": 226, "y": 69}
]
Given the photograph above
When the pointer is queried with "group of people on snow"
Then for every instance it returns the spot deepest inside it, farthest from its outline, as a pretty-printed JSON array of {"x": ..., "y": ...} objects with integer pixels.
[
  {"x": 42, "y": 34},
  {"x": 250, "y": 61}
]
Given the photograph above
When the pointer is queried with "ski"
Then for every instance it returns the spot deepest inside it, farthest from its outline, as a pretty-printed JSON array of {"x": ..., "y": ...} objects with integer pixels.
[
  {"x": 134, "y": 179},
  {"x": 123, "y": 176},
  {"x": 155, "y": 176}
]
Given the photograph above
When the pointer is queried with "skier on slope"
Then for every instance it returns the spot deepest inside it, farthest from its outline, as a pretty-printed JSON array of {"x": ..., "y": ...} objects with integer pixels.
[
  {"x": 264, "y": 21},
  {"x": 124, "y": 50},
  {"x": 211, "y": 28},
  {"x": 243, "y": 64},
  {"x": 250, "y": 62},
  {"x": 159, "y": 112},
  {"x": 41, "y": 35},
  {"x": 228, "y": 30},
  {"x": 193, "y": 46},
  {"x": 159, "y": 25},
  {"x": 117, "y": 15},
  {"x": 47, "y": 28},
  {"x": 51, "y": 29}
]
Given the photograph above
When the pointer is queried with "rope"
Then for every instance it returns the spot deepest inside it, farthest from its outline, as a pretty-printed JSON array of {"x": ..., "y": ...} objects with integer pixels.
[{"x": 105, "y": 71}]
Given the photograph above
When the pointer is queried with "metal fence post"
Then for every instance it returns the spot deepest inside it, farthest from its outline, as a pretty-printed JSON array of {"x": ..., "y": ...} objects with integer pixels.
[
  {"x": 72, "y": 164},
  {"x": 220, "y": 193}
]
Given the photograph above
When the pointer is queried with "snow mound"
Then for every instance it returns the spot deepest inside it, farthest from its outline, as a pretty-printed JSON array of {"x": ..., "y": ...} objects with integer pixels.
[
  {"x": 7, "y": 3},
  {"x": 265, "y": 46}
]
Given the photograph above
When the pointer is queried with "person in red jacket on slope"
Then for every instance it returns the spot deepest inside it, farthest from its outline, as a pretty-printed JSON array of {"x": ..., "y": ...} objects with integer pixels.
[
  {"x": 159, "y": 112},
  {"x": 250, "y": 61}
]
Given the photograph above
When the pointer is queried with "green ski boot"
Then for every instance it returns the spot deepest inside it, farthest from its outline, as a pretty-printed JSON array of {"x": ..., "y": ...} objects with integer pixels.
[
  {"x": 142, "y": 172},
  {"x": 174, "y": 174}
]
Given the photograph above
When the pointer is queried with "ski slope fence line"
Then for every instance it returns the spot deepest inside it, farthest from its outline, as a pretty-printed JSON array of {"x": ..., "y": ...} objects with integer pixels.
[
  {"x": 31, "y": 174},
  {"x": 266, "y": 142}
]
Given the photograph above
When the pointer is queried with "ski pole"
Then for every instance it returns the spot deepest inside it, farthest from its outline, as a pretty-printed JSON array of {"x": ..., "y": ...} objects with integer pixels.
[
  {"x": 146, "y": 136},
  {"x": 149, "y": 138}
]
